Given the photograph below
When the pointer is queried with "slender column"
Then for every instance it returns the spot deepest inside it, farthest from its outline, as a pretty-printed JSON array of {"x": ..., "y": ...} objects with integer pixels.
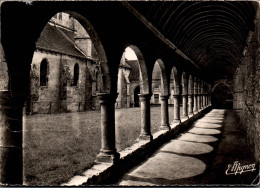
[
  {"x": 145, "y": 117},
  {"x": 164, "y": 113},
  {"x": 11, "y": 151},
  {"x": 190, "y": 111},
  {"x": 108, "y": 151},
  {"x": 199, "y": 102},
  {"x": 195, "y": 102},
  {"x": 203, "y": 100},
  {"x": 184, "y": 106},
  {"x": 176, "y": 111}
]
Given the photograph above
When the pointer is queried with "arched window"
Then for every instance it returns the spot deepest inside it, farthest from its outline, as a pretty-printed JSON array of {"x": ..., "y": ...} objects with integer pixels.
[
  {"x": 43, "y": 73},
  {"x": 76, "y": 75}
]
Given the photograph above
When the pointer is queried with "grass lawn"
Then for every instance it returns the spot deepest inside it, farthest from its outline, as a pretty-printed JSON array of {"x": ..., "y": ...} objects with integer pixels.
[{"x": 59, "y": 146}]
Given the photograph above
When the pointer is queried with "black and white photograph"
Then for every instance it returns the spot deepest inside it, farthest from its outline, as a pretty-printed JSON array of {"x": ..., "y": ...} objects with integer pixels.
[{"x": 129, "y": 93}]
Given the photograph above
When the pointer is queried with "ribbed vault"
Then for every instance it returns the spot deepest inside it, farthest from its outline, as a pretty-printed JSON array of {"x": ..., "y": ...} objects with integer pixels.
[{"x": 212, "y": 34}]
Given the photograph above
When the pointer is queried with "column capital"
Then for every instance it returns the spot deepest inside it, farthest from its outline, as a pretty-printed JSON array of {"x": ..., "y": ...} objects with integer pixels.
[
  {"x": 107, "y": 97},
  {"x": 175, "y": 95},
  {"x": 190, "y": 95},
  {"x": 164, "y": 97},
  {"x": 143, "y": 97}
]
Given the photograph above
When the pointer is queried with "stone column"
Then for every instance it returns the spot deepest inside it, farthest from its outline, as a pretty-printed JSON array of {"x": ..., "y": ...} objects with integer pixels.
[
  {"x": 11, "y": 150},
  {"x": 195, "y": 103},
  {"x": 204, "y": 100},
  {"x": 190, "y": 111},
  {"x": 108, "y": 151},
  {"x": 176, "y": 111},
  {"x": 199, "y": 101},
  {"x": 184, "y": 106},
  {"x": 145, "y": 117},
  {"x": 164, "y": 113}
]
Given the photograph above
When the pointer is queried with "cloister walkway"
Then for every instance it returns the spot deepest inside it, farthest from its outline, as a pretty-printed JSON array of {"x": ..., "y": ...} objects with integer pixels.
[{"x": 200, "y": 155}]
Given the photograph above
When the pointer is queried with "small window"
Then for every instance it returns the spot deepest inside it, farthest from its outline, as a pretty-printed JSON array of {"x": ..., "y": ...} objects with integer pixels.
[
  {"x": 43, "y": 73},
  {"x": 156, "y": 98},
  {"x": 76, "y": 75}
]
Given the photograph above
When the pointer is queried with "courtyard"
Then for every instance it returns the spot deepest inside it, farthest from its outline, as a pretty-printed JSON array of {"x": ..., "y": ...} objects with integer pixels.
[{"x": 59, "y": 146}]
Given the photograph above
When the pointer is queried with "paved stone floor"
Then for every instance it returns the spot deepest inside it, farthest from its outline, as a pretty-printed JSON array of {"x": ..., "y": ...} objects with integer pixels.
[{"x": 199, "y": 156}]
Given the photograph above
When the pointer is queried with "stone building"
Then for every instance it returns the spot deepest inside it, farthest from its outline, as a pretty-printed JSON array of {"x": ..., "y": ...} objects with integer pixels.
[
  {"x": 203, "y": 47},
  {"x": 65, "y": 73},
  {"x": 128, "y": 85}
]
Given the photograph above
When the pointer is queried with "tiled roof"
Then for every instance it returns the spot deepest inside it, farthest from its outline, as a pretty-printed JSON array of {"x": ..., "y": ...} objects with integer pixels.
[{"x": 59, "y": 40}]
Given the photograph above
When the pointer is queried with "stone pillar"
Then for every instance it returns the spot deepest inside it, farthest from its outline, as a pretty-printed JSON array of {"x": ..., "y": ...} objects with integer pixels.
[
  {"x": 199, "y": 101},
  {"x": 145, "y": 117},
  {"x": 108, "y": 151},
  {"x": 176, "y": 111},
  {"x": 164, "y": 113},
  {"x": 204, "y": 100},
  {"x": 11, "y": 150},
  {"x": 190, "y": 111},
  {"x": 184, "y": 106},
  {"x": 195, "y": 103}
]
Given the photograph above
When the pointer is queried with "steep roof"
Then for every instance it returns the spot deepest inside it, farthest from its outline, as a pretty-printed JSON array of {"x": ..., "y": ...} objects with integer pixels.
[
  {"x": 58, "y": 40},
  {"x": 134, "y": 74}
]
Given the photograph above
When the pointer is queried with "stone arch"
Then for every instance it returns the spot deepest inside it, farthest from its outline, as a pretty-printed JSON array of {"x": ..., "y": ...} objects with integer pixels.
[
  {"x": 175, "y": 78},
  {"x": 184, "y": 84},
  {"x": 222, "y": 96},
  {"x": 195, "y": 85},
  {"x": 102, "y": 58},
  {"x": 221, "y": 82},
  {"x": 144, "y": 85},
  {"x": 190, "y": 85},
  {"x": 163, "y": 76},
  {"x": 4, "y": 77}
]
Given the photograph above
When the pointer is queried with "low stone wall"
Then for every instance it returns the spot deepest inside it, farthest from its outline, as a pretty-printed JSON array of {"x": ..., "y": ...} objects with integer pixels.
[{"x": 108, "y": 173}]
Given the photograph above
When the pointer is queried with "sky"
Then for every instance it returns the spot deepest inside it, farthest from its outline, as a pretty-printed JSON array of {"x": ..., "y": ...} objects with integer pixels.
[{"x": 130, "y": 54}]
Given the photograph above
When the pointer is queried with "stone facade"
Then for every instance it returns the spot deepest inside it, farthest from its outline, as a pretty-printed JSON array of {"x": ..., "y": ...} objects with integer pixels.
[
  {"x": 247, "y": 89},
  {"x": 129, "y": 84},
  {"x": 72, "y": 77}
]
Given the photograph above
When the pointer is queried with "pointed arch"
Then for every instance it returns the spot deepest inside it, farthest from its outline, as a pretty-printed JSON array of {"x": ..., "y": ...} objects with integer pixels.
[
  {"x": 175, "y": 81},
  {"x": 184, "y": 83},
  {"x": 221, "y": 82},
  {"x": 102, "y": 58},
  {"x": 144, "y": 85},
  {"x": 163, "y": 76},
  {"x": 195, "y": 85},
  {"x": 190, "y": 85}
]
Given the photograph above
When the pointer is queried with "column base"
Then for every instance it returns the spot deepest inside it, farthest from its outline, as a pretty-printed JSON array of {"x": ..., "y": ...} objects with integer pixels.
[
  {"x": 184, "y": 117},
  {"x": 165, "y": 127},
  {"x": 107, "y": 157},
  {"x": 176, "y": 121},
  {"x": 190, "y": 114},
  {"x": 146, "y": 137}
]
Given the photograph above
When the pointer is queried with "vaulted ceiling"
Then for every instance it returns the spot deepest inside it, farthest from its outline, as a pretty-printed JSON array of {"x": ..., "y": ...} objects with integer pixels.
[{"x": 212, "y": 34}]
